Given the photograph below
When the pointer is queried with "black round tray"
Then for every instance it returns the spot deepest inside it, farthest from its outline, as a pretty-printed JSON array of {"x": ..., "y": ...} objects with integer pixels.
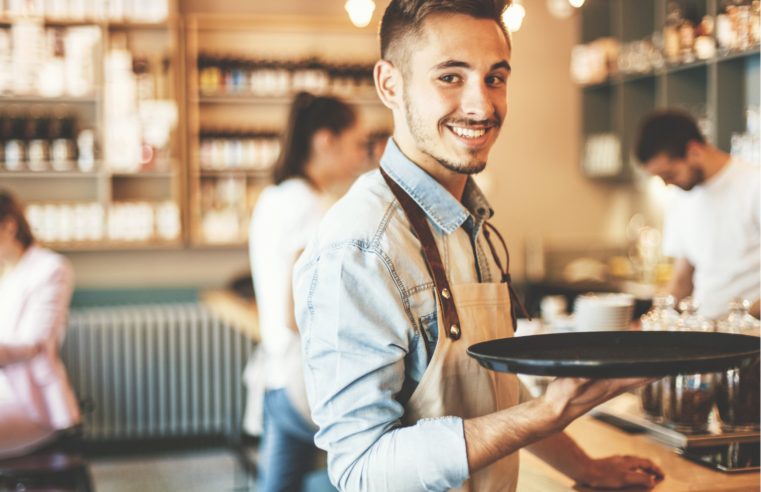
[{"x": 617, "y": 354}]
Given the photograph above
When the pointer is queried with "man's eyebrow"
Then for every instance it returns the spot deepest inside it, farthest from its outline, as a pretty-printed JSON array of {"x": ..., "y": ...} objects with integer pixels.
[
  {"x": 452, "y": 64},
  {"x": 461, "y": 64},
  {"x": 502, "y": 64}
]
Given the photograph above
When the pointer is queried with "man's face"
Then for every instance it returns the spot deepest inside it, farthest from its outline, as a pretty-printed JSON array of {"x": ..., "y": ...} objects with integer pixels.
[
  {"x": 455, "y": 90},
  {"x": 675, "y": 171}
]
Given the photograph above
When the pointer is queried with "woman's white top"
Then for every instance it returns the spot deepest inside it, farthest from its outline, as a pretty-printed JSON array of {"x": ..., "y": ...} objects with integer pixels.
[
  {"x": 34, "y": 308},
  {"x": 284, "y": 220}
]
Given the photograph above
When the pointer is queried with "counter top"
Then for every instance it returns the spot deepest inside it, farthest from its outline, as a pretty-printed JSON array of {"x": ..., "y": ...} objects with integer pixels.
[{"x": 599, "y": 440}]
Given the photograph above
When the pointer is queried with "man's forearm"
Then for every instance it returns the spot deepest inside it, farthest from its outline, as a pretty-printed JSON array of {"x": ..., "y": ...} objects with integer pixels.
[
  {"x": 499, "y": 434},
  {"x": 562, "y": 453}
]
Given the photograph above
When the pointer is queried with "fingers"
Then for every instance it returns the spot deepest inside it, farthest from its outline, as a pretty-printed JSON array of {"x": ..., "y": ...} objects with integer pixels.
[
  {"x": 638, "y": 478},
  {"x": 616, "y": 472},
  {"x": 644, "y": 464}
]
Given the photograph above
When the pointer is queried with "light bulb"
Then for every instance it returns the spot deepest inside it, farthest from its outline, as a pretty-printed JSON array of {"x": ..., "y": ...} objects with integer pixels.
[
  {"x": 576, "y": 3},
  {"x": 513, "y": 16},
  {"x": 559, "y": 9},
  {"x": 360, "y": 11}
]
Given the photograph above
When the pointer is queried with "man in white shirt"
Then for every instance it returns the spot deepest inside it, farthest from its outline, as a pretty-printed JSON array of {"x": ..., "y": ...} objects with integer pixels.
[{"x": 711, "y": 227}]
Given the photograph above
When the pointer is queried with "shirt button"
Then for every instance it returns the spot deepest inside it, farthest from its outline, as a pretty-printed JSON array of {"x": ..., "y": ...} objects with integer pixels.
[
  {"x": 445, "y": 293},
  {"x": 455, "y": 331}
]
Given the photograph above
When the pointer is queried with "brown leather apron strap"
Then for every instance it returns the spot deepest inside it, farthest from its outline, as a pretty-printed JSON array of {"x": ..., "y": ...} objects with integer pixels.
[
  {"x": 419, "y": 223},
  {"x": 505, "y": 273}
]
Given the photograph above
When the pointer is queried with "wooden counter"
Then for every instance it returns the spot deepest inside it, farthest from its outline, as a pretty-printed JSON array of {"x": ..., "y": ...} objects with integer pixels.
[{"x": 599, "y": 440}]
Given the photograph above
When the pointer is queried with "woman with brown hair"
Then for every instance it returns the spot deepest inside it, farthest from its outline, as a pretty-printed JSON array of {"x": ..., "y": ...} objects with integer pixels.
[
  {"x": 324, "y": 147},
  {"x": 36, "y": 400}
]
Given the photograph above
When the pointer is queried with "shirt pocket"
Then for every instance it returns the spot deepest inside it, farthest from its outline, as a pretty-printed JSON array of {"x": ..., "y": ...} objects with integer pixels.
[{"x": 429, "y": 326}]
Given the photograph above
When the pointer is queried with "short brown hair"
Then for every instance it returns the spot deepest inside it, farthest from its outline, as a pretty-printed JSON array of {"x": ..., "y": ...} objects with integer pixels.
[
  {"x": 666, "y": 130},
  {"x": 10, "y": 207},
  {"x": 403, "y": 19}
]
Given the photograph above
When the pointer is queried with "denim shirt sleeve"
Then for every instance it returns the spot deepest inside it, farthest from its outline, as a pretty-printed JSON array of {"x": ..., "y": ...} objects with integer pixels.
[{"x": 356, "y": 333}]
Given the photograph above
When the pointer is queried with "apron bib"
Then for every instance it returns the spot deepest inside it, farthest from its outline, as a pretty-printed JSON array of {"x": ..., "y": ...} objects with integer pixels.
[{"x": 454, "y": 384}]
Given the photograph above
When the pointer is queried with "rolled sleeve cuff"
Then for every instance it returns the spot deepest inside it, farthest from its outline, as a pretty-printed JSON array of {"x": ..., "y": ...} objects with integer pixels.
[{"x": 441, "y": 452}]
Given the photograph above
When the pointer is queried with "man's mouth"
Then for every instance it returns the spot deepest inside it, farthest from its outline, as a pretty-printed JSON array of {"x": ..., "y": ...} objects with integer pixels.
[{"x": 467, "y": 132}]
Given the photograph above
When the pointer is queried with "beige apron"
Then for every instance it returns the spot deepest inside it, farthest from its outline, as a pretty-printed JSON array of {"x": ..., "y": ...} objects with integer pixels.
[{"x": 454, "y": 384}]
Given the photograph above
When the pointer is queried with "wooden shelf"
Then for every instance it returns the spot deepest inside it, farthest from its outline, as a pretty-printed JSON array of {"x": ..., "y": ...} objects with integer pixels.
[
  {"x": 206, "y": 245},
  {"x": 77, "y": 246},
  {"x": 277, "y": 100},
  {"x": 670, "y": 69},
  {"x": 54, "y": 100},
  {"x": 717, "y": 90},
  {"x": 145, "y": 175},
  {"x": 49, "y": 21},
  {"x": 48, "y": 174},
  {"x": 257, "y": 37},
  {"x": 255, "y": 173}
]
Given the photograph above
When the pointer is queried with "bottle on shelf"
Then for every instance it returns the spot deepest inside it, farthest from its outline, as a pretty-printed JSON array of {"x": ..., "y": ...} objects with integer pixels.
[
  {"x": 38, "y": 132},
  {"x": 86, "y": 150},
  {"x": 273, "y": 78},
  {"x": 64, "y": 151},
  {"x": 15, "y": 141},
  {"x": 238, "y": 150}
]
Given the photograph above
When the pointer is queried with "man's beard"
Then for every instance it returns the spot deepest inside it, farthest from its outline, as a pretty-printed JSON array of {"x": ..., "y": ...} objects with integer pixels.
[
  {"x": 426, "y": 144},
  {"x": 696, "y": 178}
]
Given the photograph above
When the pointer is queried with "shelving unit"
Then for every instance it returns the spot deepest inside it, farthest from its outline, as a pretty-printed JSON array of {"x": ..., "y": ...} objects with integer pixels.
[
  {"x": 718, "y": 89},
  {"x": 258, "y": 37},
  {"x": 163, "y": 183}
]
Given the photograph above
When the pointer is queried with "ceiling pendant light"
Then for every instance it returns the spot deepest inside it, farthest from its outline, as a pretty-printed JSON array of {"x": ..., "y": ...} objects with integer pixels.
[
  {"x": 360, "y": 11},
  {"x": 560, "y": 9},
  {"x": 513, "y": 16},
  {"x": 576, "y": 3}
]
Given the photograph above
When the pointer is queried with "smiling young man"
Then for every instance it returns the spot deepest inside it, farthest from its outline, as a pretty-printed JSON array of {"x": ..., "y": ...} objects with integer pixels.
[{"x": 402, "y": 277}]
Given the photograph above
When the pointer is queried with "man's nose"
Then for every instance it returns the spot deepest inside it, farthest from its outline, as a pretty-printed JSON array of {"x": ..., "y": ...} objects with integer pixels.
[{"x": 476, "y": 101}]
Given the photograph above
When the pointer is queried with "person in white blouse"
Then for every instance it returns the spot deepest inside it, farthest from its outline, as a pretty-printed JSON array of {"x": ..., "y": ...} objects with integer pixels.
[
  {"x": 324, "y": 148},
  {"x": 36, "y": 399}
]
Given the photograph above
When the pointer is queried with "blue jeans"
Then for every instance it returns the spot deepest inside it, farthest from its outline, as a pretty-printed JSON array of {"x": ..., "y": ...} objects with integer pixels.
[{"x": 287, "y": 448}]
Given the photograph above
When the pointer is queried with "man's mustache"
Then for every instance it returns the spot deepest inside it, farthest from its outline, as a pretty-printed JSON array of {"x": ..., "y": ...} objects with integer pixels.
[{"x": 491, "y": 122}]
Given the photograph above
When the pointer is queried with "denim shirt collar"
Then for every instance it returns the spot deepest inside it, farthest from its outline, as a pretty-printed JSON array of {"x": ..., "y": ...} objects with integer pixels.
[{"x": 444, "y": 209}]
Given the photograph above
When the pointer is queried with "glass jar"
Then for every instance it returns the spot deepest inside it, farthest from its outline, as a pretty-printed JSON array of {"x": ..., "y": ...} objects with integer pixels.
[
  {"x": 688, "y": 399},
  {"x": 661, "y": 317},
  {"x": 737, "y": 390}
]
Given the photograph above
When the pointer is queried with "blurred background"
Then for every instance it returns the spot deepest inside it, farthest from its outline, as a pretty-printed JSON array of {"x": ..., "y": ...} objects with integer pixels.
[{"x": 139, "y": 134}]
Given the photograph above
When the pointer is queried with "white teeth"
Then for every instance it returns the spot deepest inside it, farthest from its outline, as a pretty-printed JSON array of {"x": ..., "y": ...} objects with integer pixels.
[{"x": 468, "y": 132}]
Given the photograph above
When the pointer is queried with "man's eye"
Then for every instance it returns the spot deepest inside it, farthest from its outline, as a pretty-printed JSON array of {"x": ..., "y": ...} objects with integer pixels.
[
  {"x": 449, "y": 78},
  {"x": 494, "y": 79}
]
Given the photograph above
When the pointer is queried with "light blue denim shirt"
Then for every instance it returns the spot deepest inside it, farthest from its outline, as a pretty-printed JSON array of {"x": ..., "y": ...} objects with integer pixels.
[{"x": 366, "y": 310}]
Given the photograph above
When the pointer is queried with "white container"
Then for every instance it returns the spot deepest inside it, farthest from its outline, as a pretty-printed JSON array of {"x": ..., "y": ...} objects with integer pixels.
[{"x": 603, "y": 312}]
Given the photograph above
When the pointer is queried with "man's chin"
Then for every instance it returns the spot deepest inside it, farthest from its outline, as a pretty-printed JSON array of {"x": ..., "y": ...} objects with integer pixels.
[{"x": 464, "y": 168}]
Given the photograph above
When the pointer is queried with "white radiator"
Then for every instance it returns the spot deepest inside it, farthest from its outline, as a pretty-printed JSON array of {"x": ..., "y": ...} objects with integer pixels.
[{"x": 156, "y": 371}]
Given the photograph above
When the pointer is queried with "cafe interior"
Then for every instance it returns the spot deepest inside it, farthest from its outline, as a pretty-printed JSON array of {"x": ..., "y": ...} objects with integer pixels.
[{"x": 139, "y": 135}]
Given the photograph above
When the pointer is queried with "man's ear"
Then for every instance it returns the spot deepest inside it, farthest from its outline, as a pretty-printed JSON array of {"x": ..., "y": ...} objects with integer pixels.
[
  {"x": 694, "y": 151},
  {"x": 388, "y": 83}
]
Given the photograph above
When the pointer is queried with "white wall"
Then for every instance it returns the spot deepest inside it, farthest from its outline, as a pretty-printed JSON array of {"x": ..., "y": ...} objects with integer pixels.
[{"x": 534, "y": 167}]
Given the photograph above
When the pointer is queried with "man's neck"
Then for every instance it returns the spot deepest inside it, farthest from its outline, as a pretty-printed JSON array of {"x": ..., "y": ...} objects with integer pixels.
[
  {"x": 715, "y": 161},
  {"x": 452, "y": 181}
]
